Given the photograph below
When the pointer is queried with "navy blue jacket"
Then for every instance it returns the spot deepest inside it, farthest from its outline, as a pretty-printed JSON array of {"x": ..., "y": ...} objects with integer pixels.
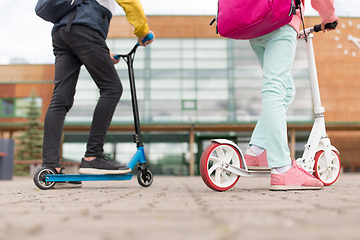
[{"x": 91, "y": 14}]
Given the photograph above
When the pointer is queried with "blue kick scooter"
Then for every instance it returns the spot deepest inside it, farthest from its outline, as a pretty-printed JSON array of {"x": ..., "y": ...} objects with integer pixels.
[{"x": 46, "y": 177}]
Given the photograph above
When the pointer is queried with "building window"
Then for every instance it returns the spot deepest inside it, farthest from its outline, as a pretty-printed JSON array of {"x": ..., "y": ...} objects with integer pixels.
[
  {"x": 17, "y": 107},
  {"x": 6, "y": 107},
  {"x": 189, "y": 104}
]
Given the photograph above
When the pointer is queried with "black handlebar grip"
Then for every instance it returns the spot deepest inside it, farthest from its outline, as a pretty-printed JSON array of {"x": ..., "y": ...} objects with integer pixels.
[{"x": 317, "y": 28}]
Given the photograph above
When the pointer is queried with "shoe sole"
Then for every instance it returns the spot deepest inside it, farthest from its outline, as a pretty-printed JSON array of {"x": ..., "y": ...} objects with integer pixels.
[
  {"x": 103, "y": 171},
  {"x": 67, "y": 185},
  {"x": 292, "y": 187}
]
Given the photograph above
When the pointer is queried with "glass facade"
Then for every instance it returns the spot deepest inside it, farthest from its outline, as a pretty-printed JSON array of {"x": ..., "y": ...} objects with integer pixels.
[
  {"x": 193, "y": 81},
  {"x": 183, "y": 81}
]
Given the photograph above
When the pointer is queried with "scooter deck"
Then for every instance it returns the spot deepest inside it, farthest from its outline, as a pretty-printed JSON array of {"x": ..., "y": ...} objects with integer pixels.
[
  {"x": 259, "y": 169},
  {"x": 87, "y": 177}
]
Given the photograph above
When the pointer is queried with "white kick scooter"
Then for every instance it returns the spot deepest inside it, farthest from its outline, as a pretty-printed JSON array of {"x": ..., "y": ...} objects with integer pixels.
[{"x": 222, "y": 163}]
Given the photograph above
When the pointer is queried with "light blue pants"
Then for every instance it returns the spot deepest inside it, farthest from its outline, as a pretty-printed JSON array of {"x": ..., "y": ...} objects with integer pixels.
[{"x": 275, "y": 52}]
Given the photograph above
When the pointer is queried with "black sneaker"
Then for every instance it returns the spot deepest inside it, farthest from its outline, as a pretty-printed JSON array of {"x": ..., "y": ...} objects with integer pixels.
[
  {"x": 102, "y": 165},
  {"x": 67, "y": 184}
]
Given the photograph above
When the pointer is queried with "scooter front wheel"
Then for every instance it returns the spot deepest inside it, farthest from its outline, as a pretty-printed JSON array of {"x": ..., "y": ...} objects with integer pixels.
[
  {"x": 212, "y": 161},
  {"x": 327, "y": 174},
  {"x": 145, "y": 178},
  {"x": 39, "y": 178}
]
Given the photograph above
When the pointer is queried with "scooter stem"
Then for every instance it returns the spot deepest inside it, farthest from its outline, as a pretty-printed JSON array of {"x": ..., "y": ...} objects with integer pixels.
[
  {"x": 318, "y": 108},
  {"x": 138, "y": 136}
]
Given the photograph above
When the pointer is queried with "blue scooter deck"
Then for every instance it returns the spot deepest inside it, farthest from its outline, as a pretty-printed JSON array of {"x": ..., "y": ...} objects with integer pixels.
[{"x": 87, "y": 177}]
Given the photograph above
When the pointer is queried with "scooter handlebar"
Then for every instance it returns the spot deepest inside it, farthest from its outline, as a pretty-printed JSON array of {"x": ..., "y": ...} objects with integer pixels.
[
  {"x": 333, "y": 25},
  {"x": 148, "y": 37}
]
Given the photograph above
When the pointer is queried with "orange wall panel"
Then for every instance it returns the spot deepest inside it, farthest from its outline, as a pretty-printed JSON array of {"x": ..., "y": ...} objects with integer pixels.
[
  {"x": 167, "y": 27},
  {"x": 26, "y": 72},
  {"x": 7, "y": 90}
]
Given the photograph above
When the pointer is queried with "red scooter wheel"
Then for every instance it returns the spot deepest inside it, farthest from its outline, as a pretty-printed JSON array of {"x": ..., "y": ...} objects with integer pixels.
[
  {"x": 211, "y": 162},
  {"x": 327, "y": 174}
]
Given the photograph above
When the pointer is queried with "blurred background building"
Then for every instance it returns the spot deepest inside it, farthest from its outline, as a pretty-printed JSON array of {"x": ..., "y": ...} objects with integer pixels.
[{"x": 192, "y": 86}]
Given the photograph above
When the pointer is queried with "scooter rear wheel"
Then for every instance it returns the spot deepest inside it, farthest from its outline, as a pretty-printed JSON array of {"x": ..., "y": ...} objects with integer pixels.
[
  {"x": 211, "y": 170},
  {"x": 327, "y": 174},
  {"x": 39, "y": 178}
]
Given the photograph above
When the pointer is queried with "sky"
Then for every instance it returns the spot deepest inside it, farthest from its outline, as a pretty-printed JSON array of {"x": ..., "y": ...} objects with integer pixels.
[{"x": 26, "y": 38}]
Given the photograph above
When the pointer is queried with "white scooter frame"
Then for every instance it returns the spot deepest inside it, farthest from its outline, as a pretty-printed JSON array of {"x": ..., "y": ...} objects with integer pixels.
[
  {"x": 320, "y": 157},
  {"x": 222, "y": 162}
]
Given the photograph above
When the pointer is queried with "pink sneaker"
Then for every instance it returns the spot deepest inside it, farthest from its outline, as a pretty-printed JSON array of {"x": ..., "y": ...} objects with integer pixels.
[
  {"x": 254, "y": 160},
  {"x": 296, "y": 178}
]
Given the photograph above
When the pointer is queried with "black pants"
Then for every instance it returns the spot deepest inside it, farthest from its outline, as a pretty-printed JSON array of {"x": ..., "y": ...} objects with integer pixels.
[{"x": 80, "y": 46}]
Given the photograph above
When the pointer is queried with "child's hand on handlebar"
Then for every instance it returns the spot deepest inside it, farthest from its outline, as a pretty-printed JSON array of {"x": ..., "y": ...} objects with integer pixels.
[
  {"x": 140, "y": 39},
  {"x": 113, "y": 59},
  {"x": 328, "y": 29}
]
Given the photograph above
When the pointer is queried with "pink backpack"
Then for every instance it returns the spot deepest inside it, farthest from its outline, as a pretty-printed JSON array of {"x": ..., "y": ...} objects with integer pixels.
[{"x": 246, "y": 19}]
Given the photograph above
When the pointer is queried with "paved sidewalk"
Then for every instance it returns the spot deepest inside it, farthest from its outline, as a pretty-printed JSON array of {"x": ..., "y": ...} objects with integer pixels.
[{"x": 179, "y": 208}]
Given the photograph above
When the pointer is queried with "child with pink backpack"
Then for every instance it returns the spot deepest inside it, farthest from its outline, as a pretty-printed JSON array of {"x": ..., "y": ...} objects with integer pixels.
[{"x": 273, "y": 38}]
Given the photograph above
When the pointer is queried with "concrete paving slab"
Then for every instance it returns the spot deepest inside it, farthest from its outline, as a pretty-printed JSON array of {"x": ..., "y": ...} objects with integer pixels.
[{"x": 179, "y": 208}]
